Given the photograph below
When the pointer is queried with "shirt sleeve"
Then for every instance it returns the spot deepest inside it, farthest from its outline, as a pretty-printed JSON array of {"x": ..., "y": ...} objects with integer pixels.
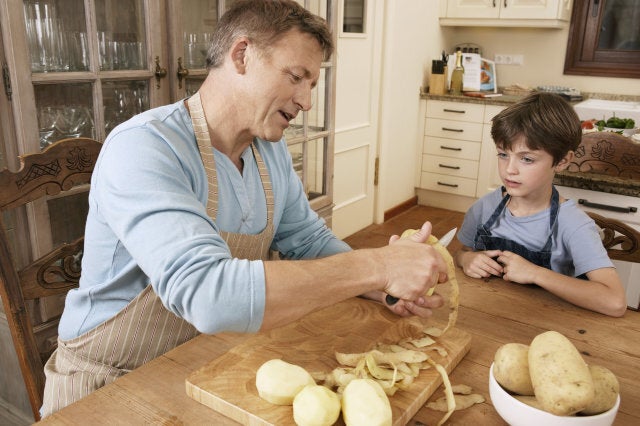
[
  {"x": 584, "y": 247},
  {"x": 146, "y": 193},
  {"x": 301, "y": 232}
]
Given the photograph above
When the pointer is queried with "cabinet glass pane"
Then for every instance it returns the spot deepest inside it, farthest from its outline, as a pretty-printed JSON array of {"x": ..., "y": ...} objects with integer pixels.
[
  {"x": 296, "y": 128},
  {"x": 297, "y": 156},
  {"x": 121, "y": 34},
  {"x": 316, "y": 115},
  {"x": 199, "y": 19},
  {"x": 308, "y": 161},
  {"x": 122, "y": 100},
  {"x": 68, "y": 216},
  {"x": 314, "y": 170},
  {"x": 57, "y": 39},
  {"x": 64, "y": 111},
  {"x": 193, "y": 85}
]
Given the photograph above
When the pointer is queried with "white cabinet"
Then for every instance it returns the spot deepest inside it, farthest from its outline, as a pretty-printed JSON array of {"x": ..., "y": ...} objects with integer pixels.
[
  {"x": 451, "y": 147},
  {"x": 488, "y": 177},
  {"x": 515, "y": 13}
]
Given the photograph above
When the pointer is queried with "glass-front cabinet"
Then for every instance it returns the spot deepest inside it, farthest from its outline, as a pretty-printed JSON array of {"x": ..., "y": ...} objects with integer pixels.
[
  {"x": 80, "y": 67},
  {"x": 75, "y": 68}
]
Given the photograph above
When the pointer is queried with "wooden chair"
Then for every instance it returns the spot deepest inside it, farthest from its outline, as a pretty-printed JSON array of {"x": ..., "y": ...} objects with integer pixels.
[
  {"x": 55, "y": 170},
  {"x": 621, "y": 240}
]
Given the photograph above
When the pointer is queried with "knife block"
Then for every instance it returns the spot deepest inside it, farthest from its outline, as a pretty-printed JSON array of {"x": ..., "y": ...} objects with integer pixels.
[{"x": 436, "y": 84}]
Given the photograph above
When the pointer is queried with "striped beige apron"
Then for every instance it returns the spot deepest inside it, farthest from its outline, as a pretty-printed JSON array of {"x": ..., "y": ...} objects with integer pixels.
[{"x": 144, "y": 329}]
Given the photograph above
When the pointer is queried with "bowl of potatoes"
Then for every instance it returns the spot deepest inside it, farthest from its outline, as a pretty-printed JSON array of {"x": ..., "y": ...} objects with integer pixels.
[{"x": 549, "y": 383}]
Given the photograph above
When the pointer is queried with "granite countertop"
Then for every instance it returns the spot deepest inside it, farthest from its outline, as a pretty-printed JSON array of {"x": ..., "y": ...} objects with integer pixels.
[
  {"x": 597, "y": 182},
  {"x": 510, "y": 99},
  {"x": 582, "y": 180}
]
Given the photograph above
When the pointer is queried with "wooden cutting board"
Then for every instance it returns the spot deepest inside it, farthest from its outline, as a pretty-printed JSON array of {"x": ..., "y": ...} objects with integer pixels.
[{"x": 227, "y": 384}]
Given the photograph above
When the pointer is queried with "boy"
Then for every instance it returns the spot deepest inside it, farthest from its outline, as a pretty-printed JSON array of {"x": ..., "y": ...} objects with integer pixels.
[{"x": 527, "y": 233}]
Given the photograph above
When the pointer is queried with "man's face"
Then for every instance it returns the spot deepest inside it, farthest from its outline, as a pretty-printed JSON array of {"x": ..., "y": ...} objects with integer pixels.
[{"x": 280, "y": 83}]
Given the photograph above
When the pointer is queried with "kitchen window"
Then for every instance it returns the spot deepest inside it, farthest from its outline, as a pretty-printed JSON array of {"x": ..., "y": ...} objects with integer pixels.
[{"x": 604, "y": 39}]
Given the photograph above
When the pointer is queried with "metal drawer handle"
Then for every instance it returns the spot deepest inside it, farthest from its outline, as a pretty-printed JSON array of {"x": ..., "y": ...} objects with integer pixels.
[
  {"x": 448, "y": 129},
  {"x": 457, "y": 111},
  {"x": 619, "y": 209},
  {"x": 452, "y": 185},
  {"x": 450, "y": 148},
  {"x": 449, "y": 167}
]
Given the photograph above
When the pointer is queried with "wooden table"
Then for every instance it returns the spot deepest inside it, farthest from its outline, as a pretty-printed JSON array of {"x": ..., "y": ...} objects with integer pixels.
[{"x": 493, "y": 312}]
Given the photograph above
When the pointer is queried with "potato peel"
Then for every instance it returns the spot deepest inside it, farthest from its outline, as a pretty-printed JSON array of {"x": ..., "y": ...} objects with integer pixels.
[{"x": 395, "y": 366}]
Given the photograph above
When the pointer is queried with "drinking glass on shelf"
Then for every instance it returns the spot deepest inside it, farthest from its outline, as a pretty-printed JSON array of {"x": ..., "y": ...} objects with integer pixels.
[
  {"x": 105, "y": 50},
  {"x": 47, "y": 121},
  {"x": 78, "y": 46},
  {"x": 74, "y": 121}
]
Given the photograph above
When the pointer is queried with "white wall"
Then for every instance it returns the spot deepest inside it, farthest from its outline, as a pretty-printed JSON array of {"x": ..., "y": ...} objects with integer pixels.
[
  {"x": 544, "y": 53},
  {"x": 412, "y": 38}
]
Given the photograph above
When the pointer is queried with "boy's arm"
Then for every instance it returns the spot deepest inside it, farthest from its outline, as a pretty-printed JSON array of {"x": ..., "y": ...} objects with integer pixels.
[
  {"x": 478, "y": 264},
  {"x": 602, "y": 292}
]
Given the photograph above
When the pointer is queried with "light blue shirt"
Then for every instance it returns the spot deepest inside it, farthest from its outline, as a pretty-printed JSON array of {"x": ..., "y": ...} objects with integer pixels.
[
  {"x": 576, "y": 246},
  {"x": 147, "y": 224}
]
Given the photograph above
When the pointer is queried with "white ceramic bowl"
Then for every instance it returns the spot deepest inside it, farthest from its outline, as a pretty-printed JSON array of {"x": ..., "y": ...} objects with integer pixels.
[{"x": 517, "y": 413}]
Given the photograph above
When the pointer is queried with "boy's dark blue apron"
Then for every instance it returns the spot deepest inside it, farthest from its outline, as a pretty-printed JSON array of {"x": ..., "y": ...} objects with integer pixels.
[{"x": 485, "y": 241}]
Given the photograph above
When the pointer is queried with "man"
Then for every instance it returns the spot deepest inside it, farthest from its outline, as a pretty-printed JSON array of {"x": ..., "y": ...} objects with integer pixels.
[{"x": 188, "y": 199}]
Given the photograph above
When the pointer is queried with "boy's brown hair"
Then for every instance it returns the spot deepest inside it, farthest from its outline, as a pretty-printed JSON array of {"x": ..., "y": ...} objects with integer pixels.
[{"x": 545, "y": 120}]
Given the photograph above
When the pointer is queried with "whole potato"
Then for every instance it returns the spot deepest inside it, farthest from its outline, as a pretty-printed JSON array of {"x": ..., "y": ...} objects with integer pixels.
[
  {"x": 511, "y": 368},
  {"x": 606, "y": 388},
  {"x": 561, "y": 379}
]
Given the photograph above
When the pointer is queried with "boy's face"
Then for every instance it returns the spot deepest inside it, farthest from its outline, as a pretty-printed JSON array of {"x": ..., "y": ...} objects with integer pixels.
[{"x": 525, "y": 172}]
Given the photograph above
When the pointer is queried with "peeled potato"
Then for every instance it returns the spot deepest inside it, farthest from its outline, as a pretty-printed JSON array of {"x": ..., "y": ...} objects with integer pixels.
[
  {"x": 316, "y": 405},
  {"x": 279, "y": 382},
  {"x": 511, "y": 368},
  {"x": 606, "y": 387},
  {"x": 364, "y": 403}
]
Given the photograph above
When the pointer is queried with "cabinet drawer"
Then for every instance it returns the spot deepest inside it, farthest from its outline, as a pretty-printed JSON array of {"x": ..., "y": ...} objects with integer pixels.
[
  {"x": 450, "y": 166},
  {"x": 450, "y": 184},
  {"x": 453, "y": 129},
  {"x": 460, "y": 111},
  {"x": 453, "y": 148}
]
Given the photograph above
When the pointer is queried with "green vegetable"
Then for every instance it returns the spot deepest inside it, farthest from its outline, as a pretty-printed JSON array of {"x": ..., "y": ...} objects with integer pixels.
[{"x": 616, "y": 123}]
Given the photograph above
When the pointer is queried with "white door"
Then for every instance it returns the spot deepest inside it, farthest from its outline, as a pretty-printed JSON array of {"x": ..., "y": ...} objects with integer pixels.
[{"x": 356, "y": 118}]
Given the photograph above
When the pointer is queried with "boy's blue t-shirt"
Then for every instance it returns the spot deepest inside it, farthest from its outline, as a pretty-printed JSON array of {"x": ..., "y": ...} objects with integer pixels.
[{"x": 576, "y": 247}]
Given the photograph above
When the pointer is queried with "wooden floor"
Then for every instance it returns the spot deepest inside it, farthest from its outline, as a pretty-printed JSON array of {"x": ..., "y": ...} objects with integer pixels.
[{"x": 378, "y": 235}]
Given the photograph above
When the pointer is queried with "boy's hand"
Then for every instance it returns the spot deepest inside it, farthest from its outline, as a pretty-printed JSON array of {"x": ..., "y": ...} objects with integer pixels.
[
  {"x": 517, "y": 269},
  {"x": 480, "y": 264}
]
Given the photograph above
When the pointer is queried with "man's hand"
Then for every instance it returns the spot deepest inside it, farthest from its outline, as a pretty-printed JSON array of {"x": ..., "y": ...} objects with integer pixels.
[{"x": 412, "y": 267}]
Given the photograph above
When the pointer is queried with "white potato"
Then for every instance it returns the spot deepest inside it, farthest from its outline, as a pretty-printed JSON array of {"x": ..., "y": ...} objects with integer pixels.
[
  {"x": 316, "y": 405},
  {"x": 364, "y": 403},
  {"x": 511, "y": 368},
  {"x": 279, "y": 382},
  {"x": 561, "y": 379},
  {"x": 606, "y": 390}
]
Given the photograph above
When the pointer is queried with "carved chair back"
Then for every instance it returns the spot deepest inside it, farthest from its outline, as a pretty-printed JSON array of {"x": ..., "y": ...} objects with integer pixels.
[
  {"x": 609, "y": 154},
  {"x": 61, "y": 167},
  {"x": 621, "y": 240}
]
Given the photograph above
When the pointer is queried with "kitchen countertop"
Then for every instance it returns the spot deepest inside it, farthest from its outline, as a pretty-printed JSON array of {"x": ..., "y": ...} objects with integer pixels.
[
  {"x": 494, "y": 312},
  {"x": 582, "y": 180}
]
